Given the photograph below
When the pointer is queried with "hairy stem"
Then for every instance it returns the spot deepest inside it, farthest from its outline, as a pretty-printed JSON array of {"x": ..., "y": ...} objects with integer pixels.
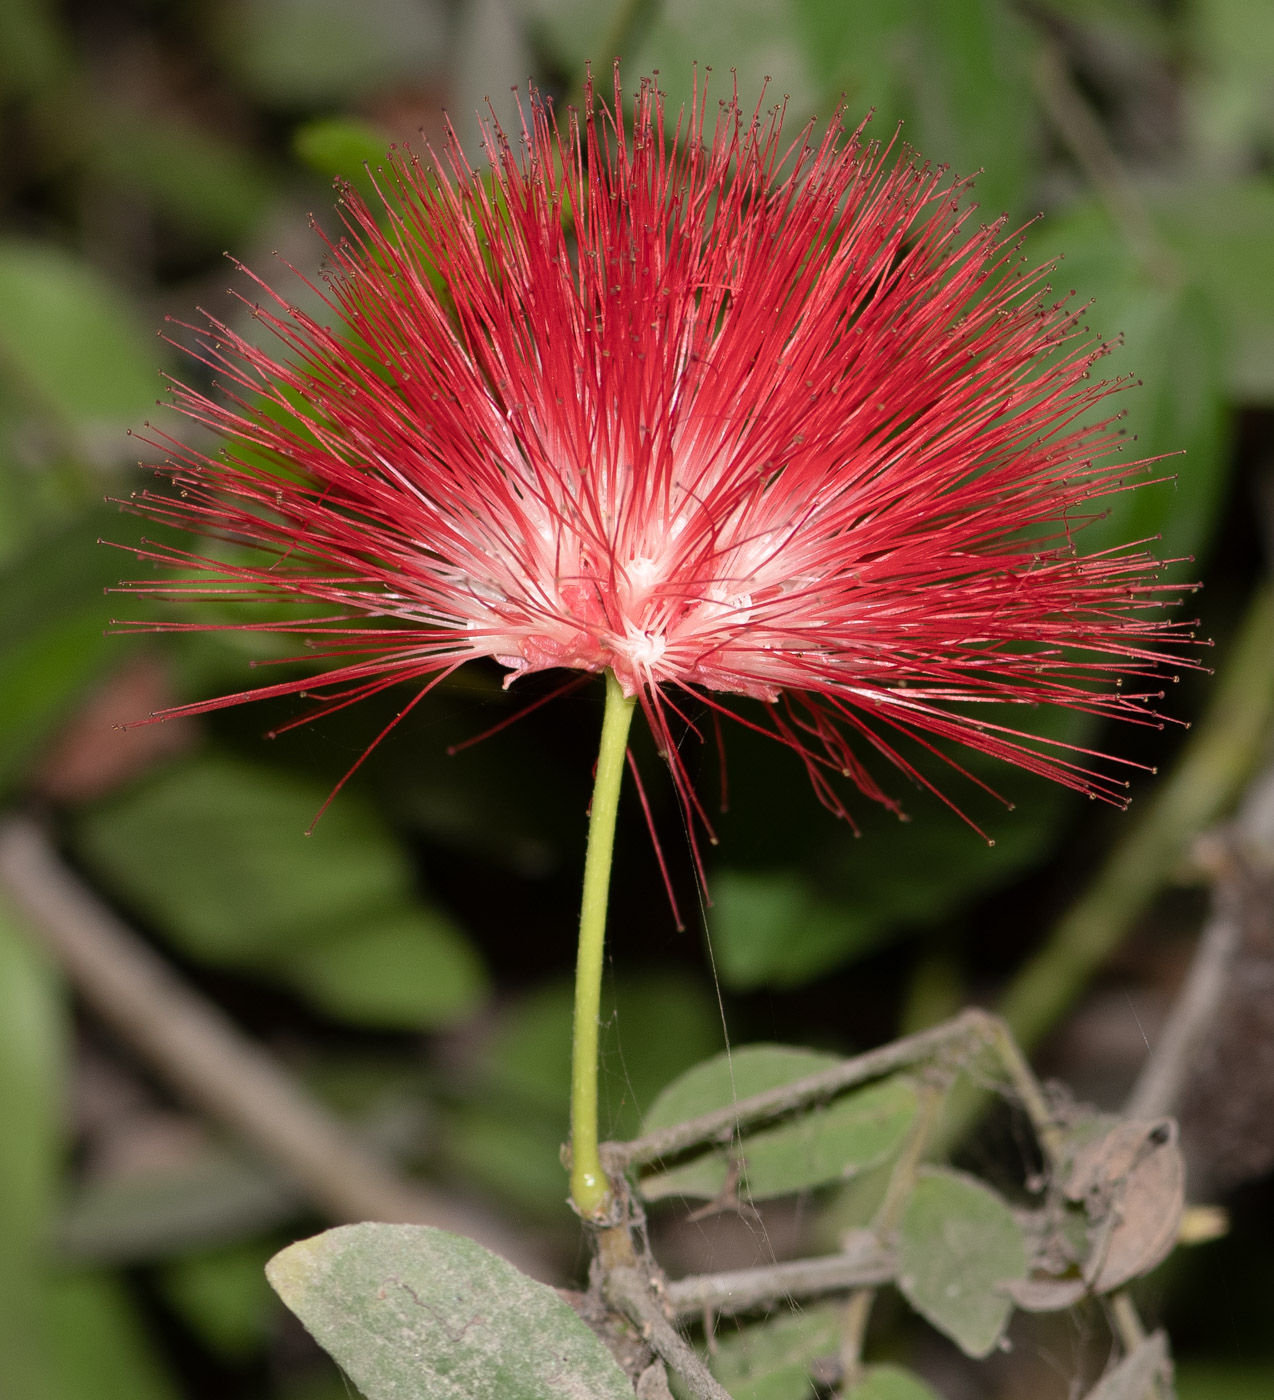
[{"x": 590, "y": 1189}]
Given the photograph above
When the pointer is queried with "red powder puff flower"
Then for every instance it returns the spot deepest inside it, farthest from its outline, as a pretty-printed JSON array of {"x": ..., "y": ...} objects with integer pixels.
[{"x": 726, "y": 417}]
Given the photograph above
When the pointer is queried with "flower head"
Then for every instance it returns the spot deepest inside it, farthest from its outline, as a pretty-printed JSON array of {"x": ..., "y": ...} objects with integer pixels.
[{"x": 727, "y": 417}]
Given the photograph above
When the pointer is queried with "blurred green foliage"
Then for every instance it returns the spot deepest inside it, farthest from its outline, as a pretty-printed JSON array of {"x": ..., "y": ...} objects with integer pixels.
[{"x": 139, "y": 140}]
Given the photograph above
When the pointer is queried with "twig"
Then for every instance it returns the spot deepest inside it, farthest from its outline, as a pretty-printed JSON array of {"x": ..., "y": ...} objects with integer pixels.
[
  {"x": 722, "y": 1123},
  {"x": 629, "y": 1290},
  {"x": 1151, "y": 1352},
  {"x": 902, "y": 1180},
  {"x": 1228, "y": 854},
  {"x": 862, "y": 1264},
  {"x": 1159, "y": 1086},
  {"x": 209, "y": 1061},
  {"x": 1085, "y": 137},
  {"x": 1215, "y": 766}
]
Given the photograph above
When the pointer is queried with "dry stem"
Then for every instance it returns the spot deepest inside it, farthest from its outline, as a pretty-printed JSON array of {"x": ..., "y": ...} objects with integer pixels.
[{"x": 210, "y": 1062}]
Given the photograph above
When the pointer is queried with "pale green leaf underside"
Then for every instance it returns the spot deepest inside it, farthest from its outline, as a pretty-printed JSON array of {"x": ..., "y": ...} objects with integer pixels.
[
  {"x": 413, "y": 1313},
  {"x": 958, "y": 1245}
]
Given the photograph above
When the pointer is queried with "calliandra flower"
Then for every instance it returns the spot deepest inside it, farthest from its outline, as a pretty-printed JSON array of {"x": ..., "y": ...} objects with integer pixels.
[{"x": 730, "y": 417}]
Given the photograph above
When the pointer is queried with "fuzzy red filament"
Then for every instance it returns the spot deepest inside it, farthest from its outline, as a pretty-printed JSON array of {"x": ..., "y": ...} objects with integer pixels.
[{"x": 726, "y": 416}]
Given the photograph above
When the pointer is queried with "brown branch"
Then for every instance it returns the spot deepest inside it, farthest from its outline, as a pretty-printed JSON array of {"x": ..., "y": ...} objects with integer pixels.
[
  {"x": 1230, "y": 854},
  {"x": 1160, "y": 1083},
  {"x": 862, "y": 1264},
  {"x": 723, "y": 1123},
  {"x": 211, "y": 1063},
  {"x": 629, "y": 1290}
]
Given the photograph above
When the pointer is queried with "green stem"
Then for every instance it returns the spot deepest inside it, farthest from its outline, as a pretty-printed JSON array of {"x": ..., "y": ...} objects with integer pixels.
[{"x": 590, "y": 1189}]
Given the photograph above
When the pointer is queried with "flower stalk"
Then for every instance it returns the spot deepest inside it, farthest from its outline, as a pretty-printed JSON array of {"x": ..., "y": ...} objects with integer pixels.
[{"x": 590, "y": 1190}]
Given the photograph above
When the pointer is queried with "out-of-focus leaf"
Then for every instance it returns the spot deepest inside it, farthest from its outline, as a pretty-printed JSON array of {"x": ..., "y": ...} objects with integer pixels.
[
  {"x": 32, "y": 1064},
  {"x": 970, "y": 92},
  {"x": 73, "y": 341},
  {"x": 214, "y": 850},
  {"x": 822, "y": 1144},
  {"x": 570, "y": 32},
  {"x": 957, "y": 1244},
  {"x": 33, "y": 53},
  {"x": 857, "y": 47},
  {"x": 156, "y": 1215},
  {"x": 340, "y": 145},
  {"x": 654, "y": 1026},
  {"x": 310, "y": 52},
  {"x": 1197, "y": 1380},
  {"x": 1172, "y": 343},
  {"x": 768, "y": 927},
  {"x": 891, "y": 1383},
  {"x": 748, "y": 41},
  {"x": 517, "y": 1155},
  {"x": 407, "y": 1310},
  {"x": 224, "y": 1297},
  {"x": 771, "y": 1360},
  {"x": 52, "y": 618},
  {"x": 856, "y": 900},
  {"x": 100, "y": 1350},
  {"x": 331, "y": 1385},
  {"x": 1231, "y": 105},
  {"x": 201, "y": 182},
  {"x": 1224, "y": 233},
  {"x": 408, "y": 968}
]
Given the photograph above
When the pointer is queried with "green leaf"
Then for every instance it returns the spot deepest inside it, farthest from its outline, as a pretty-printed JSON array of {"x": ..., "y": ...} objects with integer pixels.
[
  {"x": 891, "y": 1383},
  {"x": 72, "y": 340},
  {"x": 971, "y": 95},
  {"x": 824, "y": 1143},
  {"x": 733, "y": 1075},
  {"x": 1172, "y": 345},
  {"x": 408, "y": 969},
  {"x": 33, "y": 52},
  {"x": 748, "y": 41},
  {"x": 768, "y": 928},
  {"x": 340, "y": 146},
  {"x": 857, "y": 47},
  {"x": 771, "y": 1360},
  {"x": 141, "y": 1217},
  {"x": 1224, "y": 233},
  {"x": 214, "y": 851},
  {"x": 313, "y": 52},
  {"x": 224, "y": 1297},
  {"x": 52, "y": 618},
  {"x": 1197, "y": 1380},
  {"x": 1230, "y": 102},
  {"x": 100, "y": 1349},
  {"x": 957, "y": 1244},
  {"x": 654, "y": 1026},
  {"x": 201, "y": 182},
  {"x": 409, "y": 1312},
  {"x": 33, "y": 1035}
]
